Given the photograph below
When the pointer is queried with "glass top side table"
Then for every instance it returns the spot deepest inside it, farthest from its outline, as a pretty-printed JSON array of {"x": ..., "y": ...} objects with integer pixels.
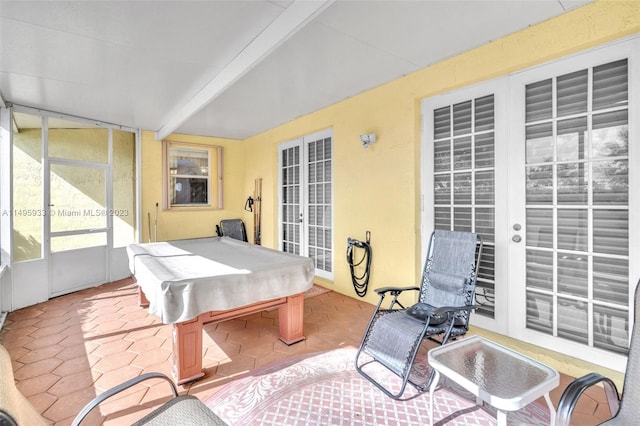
[{"x": 499, "y": 376}]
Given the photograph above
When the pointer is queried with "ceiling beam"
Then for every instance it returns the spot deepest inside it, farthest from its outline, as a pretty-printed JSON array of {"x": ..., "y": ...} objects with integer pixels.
[{"x": 292, "y": 19}]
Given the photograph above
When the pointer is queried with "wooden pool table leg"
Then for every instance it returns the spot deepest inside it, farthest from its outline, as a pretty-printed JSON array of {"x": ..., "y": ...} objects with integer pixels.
[
  {"x": 143, "y": 302},
  {"x": 187, "y": 350},
  {"x": 291, "y": 318}
]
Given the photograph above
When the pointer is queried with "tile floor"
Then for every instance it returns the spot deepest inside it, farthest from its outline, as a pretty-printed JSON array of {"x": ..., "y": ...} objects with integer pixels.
[{"x": 69, "y": 349}]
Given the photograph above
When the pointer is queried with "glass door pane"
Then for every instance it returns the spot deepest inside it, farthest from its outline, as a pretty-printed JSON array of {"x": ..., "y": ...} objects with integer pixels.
[
  {"x": 291, "y": 199},
  {"x": 319, "y": 202},
  {"x": 577, "y": 206},
  {"x": 78, "y": 198},
  {"x": 464, "y": 182}
]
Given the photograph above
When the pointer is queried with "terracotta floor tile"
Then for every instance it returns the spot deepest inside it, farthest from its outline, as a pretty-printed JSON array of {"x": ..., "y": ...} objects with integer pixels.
[
  {"x": 164, "y": 367},
  {"x": 38, "y": 368},
  {"x": 151, "y": 357},
  {"x": 26, "y": 313},
  {"x": 114, "y": 361},
  {"x": 19, "y": 332},
  {"x": 69, "y": 404},
  {"x": 43, "y": 342},
  {"x": 72, "y": 352},
  {"x": 111, "y": 325},
  {"x": 71, "y": 383},
  {"x": 140, "y": 332},
  {"x": 53, "y": 321},
  {"x": 112, "y": 347},
  {"x": 38, "y": 384},
  {"x": 117, "y": 376},
  {"x": 67, "y": 350},
  {"x": 145, "y": 344},
  {"x": 72, "y": 366},
  {"x": 221, "y": 352},
  {"x": 42, "y": 401},
  {"x": 13, "y": 325},
  {"x": 42, "y": 353},
  {"x": 120, "y": 403},
  {"x": 94, "y": 418}
]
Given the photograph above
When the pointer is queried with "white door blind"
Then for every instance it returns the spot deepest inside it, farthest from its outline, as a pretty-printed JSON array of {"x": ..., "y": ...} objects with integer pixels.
[
  {"x": 320, "y": 203},
  {"x": 306, "y": 199},
  {"x": 291, "y": 199},
  {"x": 577, "y": 206},
  {"x": 464, "y": 182}
]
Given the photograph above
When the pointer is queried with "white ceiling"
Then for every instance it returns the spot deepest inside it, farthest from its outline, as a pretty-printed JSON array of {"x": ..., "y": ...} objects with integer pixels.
[{"x": 232, "y": 68}]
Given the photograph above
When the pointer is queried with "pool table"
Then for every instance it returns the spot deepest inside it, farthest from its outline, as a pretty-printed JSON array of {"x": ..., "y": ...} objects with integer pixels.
[{"x": 188, "y": 283}]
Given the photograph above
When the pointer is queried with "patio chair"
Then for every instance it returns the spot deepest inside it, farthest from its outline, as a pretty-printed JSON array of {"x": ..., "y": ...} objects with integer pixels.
[
  {"x": 16, "y": 410},
  {"x": 622, "y": 407},
  {"x": 233, "y": 228},
  {"x": 445, "y": 300},
  {"x": 180, "y": 410}
]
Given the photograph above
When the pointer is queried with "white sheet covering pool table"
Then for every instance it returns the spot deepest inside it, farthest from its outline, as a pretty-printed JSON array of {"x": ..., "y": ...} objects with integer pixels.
[{"x": 185, "y": 278}]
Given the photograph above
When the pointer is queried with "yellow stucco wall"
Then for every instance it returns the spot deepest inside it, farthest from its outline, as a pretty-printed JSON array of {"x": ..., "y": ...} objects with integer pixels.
[
  {"x": 378, "y": 189},
  {"x": 198, "y": 222}
]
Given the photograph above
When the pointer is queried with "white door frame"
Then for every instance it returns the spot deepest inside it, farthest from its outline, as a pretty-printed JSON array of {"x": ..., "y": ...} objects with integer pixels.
[
  {"x": 627, "y": 48},
  {"x": 30, "y": 279},
  {"x": 79, "y": 268},
  {"x": 497, "y": 87},
  {"x": 301, "y": 194},
  {"x": 508, "y": 179},
  {"x": 302, "y": 142}
]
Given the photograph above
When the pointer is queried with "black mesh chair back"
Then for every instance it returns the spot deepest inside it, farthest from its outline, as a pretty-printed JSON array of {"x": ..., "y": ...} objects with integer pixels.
[{"x": 233, "y": 228}]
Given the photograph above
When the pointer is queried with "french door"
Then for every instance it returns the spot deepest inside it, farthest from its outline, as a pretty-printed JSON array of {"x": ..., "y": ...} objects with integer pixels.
[
  {"x": 306, "y": 199},
  {"x": 572, "y": 198},
  {"x": 553, "y": 203}
]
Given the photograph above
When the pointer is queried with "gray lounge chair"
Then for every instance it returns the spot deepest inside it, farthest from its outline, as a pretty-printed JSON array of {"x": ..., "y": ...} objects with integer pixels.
[
  {"x": 445, "y": 300},
  {"x": 622, "y": 407}
]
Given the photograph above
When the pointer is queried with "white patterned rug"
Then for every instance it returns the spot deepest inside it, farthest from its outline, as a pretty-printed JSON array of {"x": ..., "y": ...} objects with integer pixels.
[{"x": 325, "y": 389}]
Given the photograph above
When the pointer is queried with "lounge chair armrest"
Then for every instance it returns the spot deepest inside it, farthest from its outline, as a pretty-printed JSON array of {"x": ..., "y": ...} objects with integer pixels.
[
  {"x": 119, "y": 388},
  {"x": 453, "y": 309},
  {"x": 436, "y": 316},
  {"x": 572, "y": 393},
  {"x": 394, "y": 290}
]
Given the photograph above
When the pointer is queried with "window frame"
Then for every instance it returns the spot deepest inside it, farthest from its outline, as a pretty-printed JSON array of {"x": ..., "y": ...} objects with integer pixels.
[{"x": 214, "y": 177}]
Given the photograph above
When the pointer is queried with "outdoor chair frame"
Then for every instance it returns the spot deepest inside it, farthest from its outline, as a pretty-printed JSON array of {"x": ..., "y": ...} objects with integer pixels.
[{"x": 445, "y": 300}]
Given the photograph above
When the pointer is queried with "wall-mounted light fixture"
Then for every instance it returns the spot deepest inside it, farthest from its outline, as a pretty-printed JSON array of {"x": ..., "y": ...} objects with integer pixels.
[{"x": 367, "y": 139}]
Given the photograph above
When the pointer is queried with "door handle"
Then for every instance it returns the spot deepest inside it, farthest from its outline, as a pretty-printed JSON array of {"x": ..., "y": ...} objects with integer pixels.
[{"x": 516, "y": 238}]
